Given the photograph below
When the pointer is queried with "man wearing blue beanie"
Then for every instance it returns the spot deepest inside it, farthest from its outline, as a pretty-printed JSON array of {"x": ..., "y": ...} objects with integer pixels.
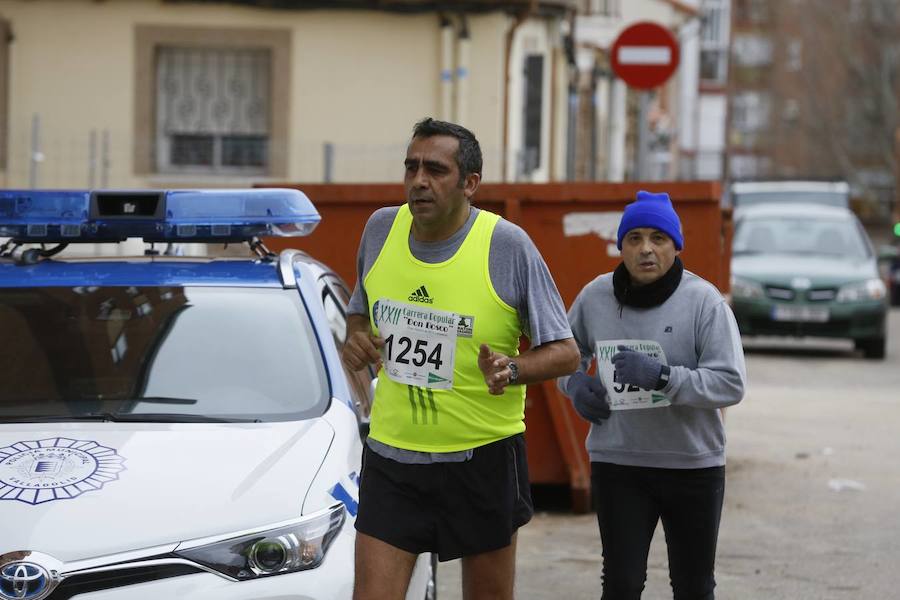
[
  {"x": 652, "y": 210},
  {"x": 668, "y": 358}
]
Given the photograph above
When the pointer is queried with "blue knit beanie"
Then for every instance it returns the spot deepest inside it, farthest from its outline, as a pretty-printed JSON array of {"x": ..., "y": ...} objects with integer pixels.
[{"x": 651, "y": 210}]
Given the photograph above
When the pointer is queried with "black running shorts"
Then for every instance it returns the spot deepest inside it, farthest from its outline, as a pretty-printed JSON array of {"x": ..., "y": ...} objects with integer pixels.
[{"x": 452, "y": 509}]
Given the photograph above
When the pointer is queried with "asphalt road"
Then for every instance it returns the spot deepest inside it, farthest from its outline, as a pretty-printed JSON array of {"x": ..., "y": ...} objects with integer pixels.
[{"x": 812, "y": 508}]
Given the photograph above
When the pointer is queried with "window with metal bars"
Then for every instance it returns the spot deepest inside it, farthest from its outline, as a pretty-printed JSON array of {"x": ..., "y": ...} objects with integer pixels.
[{"x": 212, "y": 109}]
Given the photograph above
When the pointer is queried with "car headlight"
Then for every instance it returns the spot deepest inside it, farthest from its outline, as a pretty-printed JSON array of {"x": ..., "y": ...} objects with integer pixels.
[
  {"x": 745, "y": 288},
  {"x": 295, "y": 546},
  {"x": 870, "y": 289}
]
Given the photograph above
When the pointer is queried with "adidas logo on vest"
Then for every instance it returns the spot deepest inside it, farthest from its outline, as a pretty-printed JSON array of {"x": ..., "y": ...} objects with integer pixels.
[{"x": 420, "y": 294}]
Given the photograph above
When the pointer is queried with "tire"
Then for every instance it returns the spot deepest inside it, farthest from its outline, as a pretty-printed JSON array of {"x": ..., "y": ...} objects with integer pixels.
[
  {"x": 431, "y": 587},
  {"x": 872, "y": 348}
]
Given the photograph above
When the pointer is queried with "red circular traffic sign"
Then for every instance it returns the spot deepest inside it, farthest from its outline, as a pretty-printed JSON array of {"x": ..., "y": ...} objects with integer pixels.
[{"x": 645, "y": 55}]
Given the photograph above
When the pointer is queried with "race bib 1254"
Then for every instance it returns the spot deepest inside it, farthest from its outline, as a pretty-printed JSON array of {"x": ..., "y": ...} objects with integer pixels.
[{"x": 419, "y": 343}]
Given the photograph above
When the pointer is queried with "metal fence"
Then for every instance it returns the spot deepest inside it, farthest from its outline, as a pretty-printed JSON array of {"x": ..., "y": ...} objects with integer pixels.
[
  {"x": 103, "y": 157},
  {"x": 40, "y": 158}
]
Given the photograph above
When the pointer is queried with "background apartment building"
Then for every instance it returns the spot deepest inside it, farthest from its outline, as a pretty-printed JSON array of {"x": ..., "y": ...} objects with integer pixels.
[{"x": 814, "y": 93}]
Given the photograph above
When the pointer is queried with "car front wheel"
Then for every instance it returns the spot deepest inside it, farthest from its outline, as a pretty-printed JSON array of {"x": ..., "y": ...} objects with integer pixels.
[{"x": 872, "y": 348}]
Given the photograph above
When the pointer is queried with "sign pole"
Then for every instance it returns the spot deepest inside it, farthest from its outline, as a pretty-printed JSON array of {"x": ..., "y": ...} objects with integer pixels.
[{"x": 643, "y": 145}]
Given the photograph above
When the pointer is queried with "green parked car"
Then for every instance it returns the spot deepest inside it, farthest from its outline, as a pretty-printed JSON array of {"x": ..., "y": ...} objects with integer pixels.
[{"x": 807, "y": 270}]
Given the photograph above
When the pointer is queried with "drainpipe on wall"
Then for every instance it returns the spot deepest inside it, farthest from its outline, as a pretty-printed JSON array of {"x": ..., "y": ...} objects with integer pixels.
[
  {"x": 461, "y": 87},
  {"x": 615, "y": 129},
  {"x": 446, "y": 68},
  {"x": 510, "y": 36},
  {"x": 561, "y": 49}
]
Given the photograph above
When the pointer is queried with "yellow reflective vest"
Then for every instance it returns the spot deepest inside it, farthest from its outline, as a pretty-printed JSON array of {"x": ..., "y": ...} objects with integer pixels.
[{"x": 467, "y": 415}]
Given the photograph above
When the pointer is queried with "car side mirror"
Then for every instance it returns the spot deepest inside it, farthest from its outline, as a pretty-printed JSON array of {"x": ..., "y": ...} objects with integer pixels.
[{"x": 887, "y": 253}]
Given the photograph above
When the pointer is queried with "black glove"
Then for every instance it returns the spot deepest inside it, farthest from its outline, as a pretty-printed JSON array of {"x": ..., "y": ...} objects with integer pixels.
[
  {"x": 637, "y": 368},
  {"x": 588, "y": 397}
]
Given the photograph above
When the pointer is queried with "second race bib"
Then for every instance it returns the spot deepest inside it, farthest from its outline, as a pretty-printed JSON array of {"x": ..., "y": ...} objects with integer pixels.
[
  {"x": 624, "y": 396},
  {"x": 419, "y": 343}
]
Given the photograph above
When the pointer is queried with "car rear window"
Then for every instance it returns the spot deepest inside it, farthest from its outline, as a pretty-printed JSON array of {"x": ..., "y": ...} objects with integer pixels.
[{"x": 214, "y": 352}]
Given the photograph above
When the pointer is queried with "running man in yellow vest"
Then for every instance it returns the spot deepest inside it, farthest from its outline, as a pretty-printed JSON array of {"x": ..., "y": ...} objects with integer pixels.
[{"x": 444, "y": 292}]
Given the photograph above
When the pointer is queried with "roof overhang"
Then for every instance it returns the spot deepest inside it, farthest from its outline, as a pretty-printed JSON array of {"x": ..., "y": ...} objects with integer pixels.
[{"x": 404, "y": 6}]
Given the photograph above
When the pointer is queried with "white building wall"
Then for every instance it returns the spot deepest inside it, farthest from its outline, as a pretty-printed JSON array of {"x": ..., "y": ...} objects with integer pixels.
[
  {"x": 358, "y": 80},
  {"x": 560, "y": 90},
  {"x": 712, "y": 115},
  {"x": 485, "y": 94},
  {"x": 712, "y": 136},
  {"x": 689, "y": 87},
  {"x": 362, "y": 96},
  {"x": 712, "y": 102},
  {"x": 653, "y": 10},
  {"x": 531, "y": 38},
  {"x": 617, "y": 119}
]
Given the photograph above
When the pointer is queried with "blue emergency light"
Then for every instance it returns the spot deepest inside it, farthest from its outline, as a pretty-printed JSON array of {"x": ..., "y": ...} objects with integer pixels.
[{"x": 216, "y": 216}]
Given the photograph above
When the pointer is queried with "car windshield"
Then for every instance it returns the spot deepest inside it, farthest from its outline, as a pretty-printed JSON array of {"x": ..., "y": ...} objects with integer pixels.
[
  {"x": 754, "y": 198},
  {"x": 169, "y": 354},
  {"x": 795, "y": 235}
]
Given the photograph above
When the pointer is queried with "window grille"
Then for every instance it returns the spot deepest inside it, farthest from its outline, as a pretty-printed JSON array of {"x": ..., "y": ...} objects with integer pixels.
[{"x": 212, "y": 110}]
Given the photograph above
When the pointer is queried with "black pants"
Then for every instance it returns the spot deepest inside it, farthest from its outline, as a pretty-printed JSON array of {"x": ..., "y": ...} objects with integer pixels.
[{"x": 630, "y": 500}]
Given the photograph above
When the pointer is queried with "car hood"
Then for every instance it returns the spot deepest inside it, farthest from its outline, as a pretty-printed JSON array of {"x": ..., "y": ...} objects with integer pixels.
[
  {"x": 821, "y": 271},
  {"x": 113, "y": 487}
]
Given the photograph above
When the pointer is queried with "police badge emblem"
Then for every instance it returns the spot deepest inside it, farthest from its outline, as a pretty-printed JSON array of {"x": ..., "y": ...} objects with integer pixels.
[{"x": 41, "y": 471}]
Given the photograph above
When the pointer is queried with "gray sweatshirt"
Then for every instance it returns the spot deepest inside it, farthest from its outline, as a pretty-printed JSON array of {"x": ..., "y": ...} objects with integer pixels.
[{"x": 699, "y": 337}]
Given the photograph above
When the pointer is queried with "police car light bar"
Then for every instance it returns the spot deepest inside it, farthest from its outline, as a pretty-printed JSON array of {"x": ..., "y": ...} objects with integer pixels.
[{"x": 219, "y": 216}]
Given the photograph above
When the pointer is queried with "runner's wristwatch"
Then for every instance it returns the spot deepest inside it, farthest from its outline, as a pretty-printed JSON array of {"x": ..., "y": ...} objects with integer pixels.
[
  {"x": 663, "y": 380},
  {"x": 513, "y": 372}
]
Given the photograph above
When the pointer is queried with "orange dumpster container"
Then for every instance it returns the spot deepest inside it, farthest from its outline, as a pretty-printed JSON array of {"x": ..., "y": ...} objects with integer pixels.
[{"x": 573, "y": 225}]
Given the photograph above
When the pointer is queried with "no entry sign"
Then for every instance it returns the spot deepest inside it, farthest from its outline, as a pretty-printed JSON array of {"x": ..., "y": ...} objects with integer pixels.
[{"x": 645, "y": 55}]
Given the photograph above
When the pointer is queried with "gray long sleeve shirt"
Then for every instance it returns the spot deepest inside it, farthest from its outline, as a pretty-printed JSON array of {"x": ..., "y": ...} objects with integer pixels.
[{"x": 699, "y": 336}]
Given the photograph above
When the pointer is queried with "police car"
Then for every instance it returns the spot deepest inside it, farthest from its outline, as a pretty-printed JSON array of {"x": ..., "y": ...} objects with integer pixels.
[{"x": 173, "y": 426}]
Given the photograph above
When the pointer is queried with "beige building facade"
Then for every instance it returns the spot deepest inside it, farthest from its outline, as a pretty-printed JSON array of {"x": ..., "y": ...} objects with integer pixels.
[{"x": 146, "y": 93}]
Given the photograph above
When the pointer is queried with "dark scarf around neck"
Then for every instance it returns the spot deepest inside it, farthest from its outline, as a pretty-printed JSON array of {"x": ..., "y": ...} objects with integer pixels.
[{"x": 646, "y": 296}]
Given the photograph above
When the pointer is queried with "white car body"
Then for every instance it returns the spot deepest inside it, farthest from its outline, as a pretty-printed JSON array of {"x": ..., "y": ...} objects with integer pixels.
[
  {"x": 94, "y": 500},
  {"x": 155, "y": 486}
]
